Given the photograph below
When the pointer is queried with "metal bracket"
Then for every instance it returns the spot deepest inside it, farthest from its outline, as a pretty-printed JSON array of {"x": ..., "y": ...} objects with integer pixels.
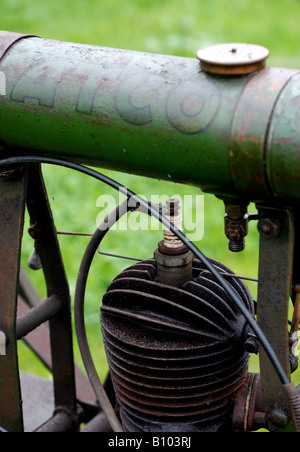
[
  {"x": 12, "y": 205},
  {"x": 274, "y": 290},
  {"x": 60, "y": 326}
]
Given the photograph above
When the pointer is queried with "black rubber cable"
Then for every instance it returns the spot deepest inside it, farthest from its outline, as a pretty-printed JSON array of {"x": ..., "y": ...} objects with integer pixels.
[
  {"x": 81, "y": 282},
  {"x": 95, "y": 174},
  {"x": 152, "y": 211}
]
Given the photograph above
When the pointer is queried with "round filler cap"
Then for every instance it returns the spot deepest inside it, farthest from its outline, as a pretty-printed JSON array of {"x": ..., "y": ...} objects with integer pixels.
[{"x": 233, "y": 58}]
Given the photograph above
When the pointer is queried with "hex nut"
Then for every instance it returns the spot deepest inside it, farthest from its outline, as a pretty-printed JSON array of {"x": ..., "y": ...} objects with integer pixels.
[{"x": 173, "y": 260}]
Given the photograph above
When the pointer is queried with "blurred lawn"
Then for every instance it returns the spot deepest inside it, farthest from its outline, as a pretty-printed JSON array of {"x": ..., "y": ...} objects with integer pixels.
[{"x": 168, "y": 27}]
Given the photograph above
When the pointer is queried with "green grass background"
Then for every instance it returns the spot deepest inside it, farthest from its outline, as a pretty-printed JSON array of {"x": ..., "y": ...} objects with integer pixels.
[{"x": 168, "y": 27}]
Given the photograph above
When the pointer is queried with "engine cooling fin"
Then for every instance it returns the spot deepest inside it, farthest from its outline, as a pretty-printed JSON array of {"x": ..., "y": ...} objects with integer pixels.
[{"x": 176, "y": 355}]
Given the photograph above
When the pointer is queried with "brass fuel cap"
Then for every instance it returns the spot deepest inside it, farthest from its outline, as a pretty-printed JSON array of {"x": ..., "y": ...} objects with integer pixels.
[{"x": 233, "y": 58}]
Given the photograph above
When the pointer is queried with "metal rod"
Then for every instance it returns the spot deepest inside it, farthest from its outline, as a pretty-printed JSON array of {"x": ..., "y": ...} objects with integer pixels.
[
  {"x": 61, "y": 422},
  {"x": 120, "y": 256},
  {"x": 97, "y": 424},
  {"x": 74, "y": 233},
  {"x": 38, "y": 315},
  {"x": 43, "y": 231},
  {"x": 138, "y": 259},
  {"x": 246, "y": 278}
]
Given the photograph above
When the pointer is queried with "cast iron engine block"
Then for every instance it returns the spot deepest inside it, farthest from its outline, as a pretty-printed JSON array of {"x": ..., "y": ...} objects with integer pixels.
[{"x": 176, "y": 355}]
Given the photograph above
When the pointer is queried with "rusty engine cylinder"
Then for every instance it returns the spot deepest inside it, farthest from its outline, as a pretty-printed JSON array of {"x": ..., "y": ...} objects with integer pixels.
[{"x": 176, "y": 355}]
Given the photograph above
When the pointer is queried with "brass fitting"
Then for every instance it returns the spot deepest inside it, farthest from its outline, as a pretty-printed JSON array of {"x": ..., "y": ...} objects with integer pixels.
[{"x": 236, "y": 225}]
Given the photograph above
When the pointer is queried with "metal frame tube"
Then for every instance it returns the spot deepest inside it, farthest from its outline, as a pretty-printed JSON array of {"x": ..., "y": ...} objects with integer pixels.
[
  {"x": 38, "y": 315},
  {"x": 154, "y": 115}
]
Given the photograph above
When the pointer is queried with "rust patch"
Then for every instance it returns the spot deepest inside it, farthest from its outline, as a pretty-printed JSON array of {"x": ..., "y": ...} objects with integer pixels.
[{"x": 284, "y": 140}]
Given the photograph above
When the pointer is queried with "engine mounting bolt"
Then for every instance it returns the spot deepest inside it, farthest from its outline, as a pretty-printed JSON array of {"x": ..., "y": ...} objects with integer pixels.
[{"x": 269, "y": 227}]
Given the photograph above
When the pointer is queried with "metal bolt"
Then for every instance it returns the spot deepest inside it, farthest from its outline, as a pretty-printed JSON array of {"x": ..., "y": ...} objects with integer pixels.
[
  {"x": 236, "y": 246},
  {"x": 34, "y": 231},
  {"x": 265, "y": 228},
  {"x": 269, "y": 227}
]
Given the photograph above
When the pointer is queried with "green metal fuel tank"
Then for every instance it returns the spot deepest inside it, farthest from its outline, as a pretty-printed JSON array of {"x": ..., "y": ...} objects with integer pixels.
[{"x": 154, "y": 115}]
